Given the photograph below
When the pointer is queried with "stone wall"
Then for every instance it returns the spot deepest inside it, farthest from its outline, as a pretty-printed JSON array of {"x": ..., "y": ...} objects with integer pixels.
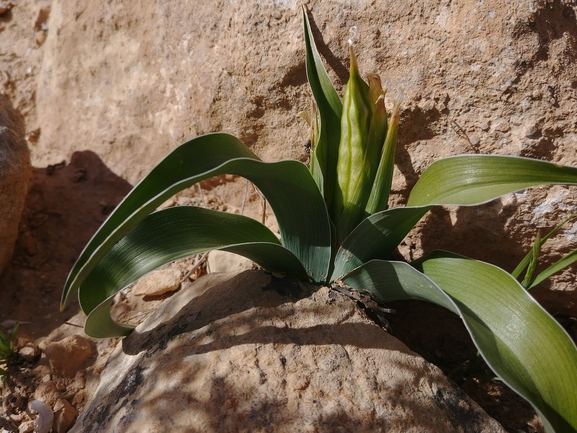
[{"x": 130, "y": 81}]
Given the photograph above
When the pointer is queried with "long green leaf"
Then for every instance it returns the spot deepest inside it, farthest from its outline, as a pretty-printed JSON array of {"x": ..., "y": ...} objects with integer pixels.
[
  {"x": 376, "y": 237},
  {"x": 518, "y": 339},
  {"x": 533, "y": 262},
  {"x": 329, "y": 109},
  {"x": 527, "y": 259},
  {"x": 474, "y": 179},
  {"x": 195, "y": 157},
  {"x": 288, "y": 186},
  {"x": 558, "y": 266},
  {"x": 168, "y": 235}
]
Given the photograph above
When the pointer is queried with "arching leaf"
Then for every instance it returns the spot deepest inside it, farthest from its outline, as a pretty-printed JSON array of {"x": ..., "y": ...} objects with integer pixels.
[
  {"x": 172, "y": 234},
  {"x": 519, "y": 340},
  {"x": 475, "y": 179},
  {"x": 376, "y": 237},
  {"x": 287, "y": 185}
]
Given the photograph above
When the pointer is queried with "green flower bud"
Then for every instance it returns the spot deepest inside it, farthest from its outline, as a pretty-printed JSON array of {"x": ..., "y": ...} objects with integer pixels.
[
  {"x": 363, "y": 131},
  {"x": 355, "y": 125}
]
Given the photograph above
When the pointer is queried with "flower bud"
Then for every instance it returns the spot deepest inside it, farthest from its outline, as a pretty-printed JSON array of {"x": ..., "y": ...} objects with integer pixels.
[{"x": 363, "y": 131}]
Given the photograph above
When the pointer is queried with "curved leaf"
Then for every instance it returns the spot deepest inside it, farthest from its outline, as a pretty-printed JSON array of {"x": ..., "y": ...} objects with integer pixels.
[
  {"x": 390, "y": 281},
  {"x": 518, "y": 339},
  {"x": 168, "y": 235},
  {"x": 287, "y": 185},
  {"x": 474, "y": 179},
  {"x": 329, "y": 109},
  {"x": 376, "y": 237}
]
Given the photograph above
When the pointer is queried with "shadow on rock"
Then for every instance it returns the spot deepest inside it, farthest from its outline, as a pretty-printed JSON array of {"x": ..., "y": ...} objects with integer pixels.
[
  {"x": 64, "y": 207},
  {"x": 250, "y": 353}
]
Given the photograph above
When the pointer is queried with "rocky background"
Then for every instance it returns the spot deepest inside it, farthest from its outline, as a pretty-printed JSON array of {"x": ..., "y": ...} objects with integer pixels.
[
  {"x": 132, "y": 81},
  {"x": 128, "y": 82}
]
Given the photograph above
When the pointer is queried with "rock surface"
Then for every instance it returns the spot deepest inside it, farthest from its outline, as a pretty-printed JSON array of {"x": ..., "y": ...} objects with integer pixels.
[
  {"x": 222, "y": 261},
  {"x": 131, "y": 84},
  {"x": 157, "y": 283},
  {"x": 15, "y": 174},
  {"x": 243, "y": 354},
  {"x": 476, "y": 77}
]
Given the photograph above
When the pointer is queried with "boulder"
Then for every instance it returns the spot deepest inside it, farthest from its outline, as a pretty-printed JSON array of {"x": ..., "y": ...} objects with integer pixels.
[
  {"x": 15, "y": 173},
  {"x": 254, "y": 353},
  {"x": 477, "y": 77}
]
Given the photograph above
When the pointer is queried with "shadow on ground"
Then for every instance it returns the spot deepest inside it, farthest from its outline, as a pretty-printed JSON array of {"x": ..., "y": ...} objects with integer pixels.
[{"x": 65, "y": 205}]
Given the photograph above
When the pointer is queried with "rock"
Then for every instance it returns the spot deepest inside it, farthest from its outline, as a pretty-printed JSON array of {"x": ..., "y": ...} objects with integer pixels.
[
  {"x": 15, "y": 174},
  {"x": 64, "y": 416},
  {"x": 47, "y": 392},
  {"x": 253, "y": 353},
  {"x": 26, "y": 427},
  {"x": 66, "y": 357},
  {"x": 502, "y": 126},
  {"x": 484, "y": 126},
  {"x": 222, "y": 261},
  {"x": 5, "y": 6},
  {"x": 30, "y": 352},
  {"x": 532, "y": 131},
  {"x": 157, "y": 283}
]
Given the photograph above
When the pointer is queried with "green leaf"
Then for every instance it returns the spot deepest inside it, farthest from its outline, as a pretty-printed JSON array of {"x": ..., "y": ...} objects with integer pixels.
[
  {"x": 168, "y": 235},
  {"x": 527, "y": 259},
  {"x": 517, "y": 338},
  {"x": 533, "y": 262},
  {"x": 4, "y": 340},
  {"x": 376, "y": 237},
  {"x": 381, "y": 189},
  {"x": 178, "y": 170},
  {"x": 287, "y": 185},
  {"x": 390, "y": 281},
  {"x": 558, "y": 266},
  {"x": 329, "y": 108},
  {"x": 474, "y": 179}
]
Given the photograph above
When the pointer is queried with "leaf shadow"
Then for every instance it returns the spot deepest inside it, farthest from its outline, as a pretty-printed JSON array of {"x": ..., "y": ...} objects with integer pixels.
[{"x": 287, "y": 381}]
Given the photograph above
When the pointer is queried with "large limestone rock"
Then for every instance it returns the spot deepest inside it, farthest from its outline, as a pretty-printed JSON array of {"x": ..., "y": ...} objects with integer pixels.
[
  {"x": 252, "y": 353},
  {"x": 137, "y": 81},
  {"x": 15, "y": 172},
  {"x": 131, "y": 83}
]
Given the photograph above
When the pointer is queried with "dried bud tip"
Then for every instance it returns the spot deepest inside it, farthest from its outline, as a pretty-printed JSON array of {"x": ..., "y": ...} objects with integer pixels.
[{"x": 353, "y": 32}]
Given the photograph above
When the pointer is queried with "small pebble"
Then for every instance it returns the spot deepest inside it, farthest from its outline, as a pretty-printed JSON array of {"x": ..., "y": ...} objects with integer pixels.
[
  {"x": 26, "y": 427},
  {"x": 157, "y": 283},
  {"x": 30, "y": 352}
]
